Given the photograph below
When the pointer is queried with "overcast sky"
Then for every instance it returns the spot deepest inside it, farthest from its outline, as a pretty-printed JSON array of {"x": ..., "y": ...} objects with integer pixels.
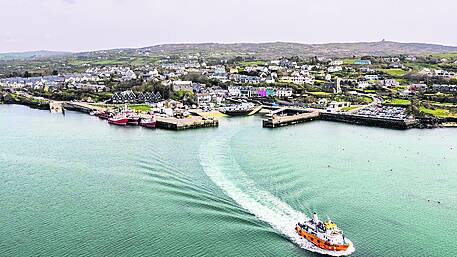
[{"x": 80, "y": 25}]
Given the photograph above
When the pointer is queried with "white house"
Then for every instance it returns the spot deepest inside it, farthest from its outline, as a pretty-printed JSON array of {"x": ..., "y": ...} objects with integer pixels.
[
  {"x": 371, "y": 77},
  {"x": 363, "y": 84},
  {"x": 234, "y": 91},
  {"x": 334, "y": 68},
  {"x": 391, "y": 83},
  {"x": 336, "y": 63},
  {"x": 284, "y": 92},
  {"x": 179, "y": 85}
]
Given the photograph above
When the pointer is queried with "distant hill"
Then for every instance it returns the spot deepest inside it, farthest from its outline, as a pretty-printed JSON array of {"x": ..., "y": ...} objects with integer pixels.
[
  {"x": 280, "y": 49},
  {"x": 255, "y": 50},
  {"x": 31, "y": 55}
]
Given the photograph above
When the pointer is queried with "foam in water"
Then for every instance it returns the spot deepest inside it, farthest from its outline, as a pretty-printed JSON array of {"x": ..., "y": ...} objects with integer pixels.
[{"x": 229, "y": 176}]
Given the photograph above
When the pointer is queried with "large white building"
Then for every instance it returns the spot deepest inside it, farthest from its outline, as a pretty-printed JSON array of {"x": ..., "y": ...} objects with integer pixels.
[{"x": 179, "y": 85}]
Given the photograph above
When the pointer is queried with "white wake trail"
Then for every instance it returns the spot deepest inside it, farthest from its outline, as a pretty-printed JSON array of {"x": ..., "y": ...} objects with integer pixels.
[{"x": 226, "y": 173}]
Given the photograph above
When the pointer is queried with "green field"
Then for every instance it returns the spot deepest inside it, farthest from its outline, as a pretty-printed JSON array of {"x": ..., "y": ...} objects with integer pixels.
[
  {"x": 350, "y": 108},
  {"x": 140, "y": 107},
  {"x": 446, "y": 55},
  {"x": 320, "y": 93},
  {"x": 395, "y": 72},
  {"x": 348, "y": 61},
  {"x": 440, "y": 113},
  {"x": 251, "y": 63},
  {"x": 396, "y": 101}
]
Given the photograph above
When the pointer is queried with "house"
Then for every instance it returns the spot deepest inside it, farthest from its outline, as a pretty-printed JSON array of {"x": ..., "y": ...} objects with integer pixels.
[
  {"x": 203, "y": 98},
  {"x": 298, "y": 80},
  {"x": 362, "y": 62},
  {"x": 266, "y": 92},
  {"x": 444, "y": 74},
  {"x": 417, "y": 87},
  {"x": 131, "y": 97},
  {"x": 234, "y": 91},
  {"x": 248, "y": 92},
  {"x": 337, "y": 106},
  {"x": 365, "y": 70},
  {"x": 334, "y": 68},
  {"x": 363, "y": 84},
  {"x": 336, "y": 63},
  {"x": 390, "y": 83},
  {"x": 179, "y": 85},
  {"x": 371, "y": 77},
  {"x": 284, "y": 92},
  {"x": 444, "y": 88}
]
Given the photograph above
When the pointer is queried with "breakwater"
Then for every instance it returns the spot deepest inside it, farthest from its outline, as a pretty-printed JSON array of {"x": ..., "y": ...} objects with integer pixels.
[
  {"x": 171, "y": 123},
  {"x": 369, "y": 121}
]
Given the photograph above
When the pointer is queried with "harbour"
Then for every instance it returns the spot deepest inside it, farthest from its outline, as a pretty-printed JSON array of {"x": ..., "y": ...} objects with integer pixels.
[{"x": 102, "y": 182}]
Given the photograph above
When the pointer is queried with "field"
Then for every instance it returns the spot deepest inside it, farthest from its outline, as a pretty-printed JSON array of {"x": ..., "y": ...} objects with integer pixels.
[
  {"x": 446, "y": 55},
  {"x": 348, "y": 61},
  {"x": 251, "y": 63},
  {"x": 395, "y": 72},
  {"x": 140, "y": 107},
  {"x": 398, "y": 102},
  {"x": 320, "y": 93},
  {"x": 441, "y": 113},
  {"x": 350, "y": 108}
]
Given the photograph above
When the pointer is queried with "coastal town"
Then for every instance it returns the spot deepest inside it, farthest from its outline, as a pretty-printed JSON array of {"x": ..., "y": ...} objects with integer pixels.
[{"x": 401, "y": 91}]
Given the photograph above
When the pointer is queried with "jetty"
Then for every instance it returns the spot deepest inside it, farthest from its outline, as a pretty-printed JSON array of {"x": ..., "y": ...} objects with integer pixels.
[
  {"x": 56, "y": 107},
  {"x": 173, "y": 123},
  {"x": 369, "y": 120},
  {"x": 81, "y": 107},
  {"x": 255, "y": 110},
  {"x": 288, "y": 116}
]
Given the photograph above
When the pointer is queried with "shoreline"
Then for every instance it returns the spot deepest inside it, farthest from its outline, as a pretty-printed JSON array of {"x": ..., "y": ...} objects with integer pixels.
[{"x": 189, "y": 123}]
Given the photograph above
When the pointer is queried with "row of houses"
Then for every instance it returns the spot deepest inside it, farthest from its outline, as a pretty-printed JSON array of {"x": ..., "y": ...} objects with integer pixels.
[
  {"x": 249, "y": 91},
  {"x": 131, "y": 97}
]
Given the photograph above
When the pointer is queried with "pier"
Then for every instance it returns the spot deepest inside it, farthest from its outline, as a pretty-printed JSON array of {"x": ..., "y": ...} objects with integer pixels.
[
  {"x": 172, "y": 123},
  {"x": 370, "y": 121},
  {"x": 56, "y": 107},
  {"x": 284, "y": 117},
  {"x": 81, "y": 107}
]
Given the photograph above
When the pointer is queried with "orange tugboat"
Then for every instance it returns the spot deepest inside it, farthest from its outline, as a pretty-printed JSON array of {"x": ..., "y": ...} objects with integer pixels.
[{"x": 325, "y": 235}]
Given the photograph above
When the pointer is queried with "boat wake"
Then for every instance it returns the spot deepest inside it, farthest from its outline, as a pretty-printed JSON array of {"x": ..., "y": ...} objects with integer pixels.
[{"x": 226, "y": 173}]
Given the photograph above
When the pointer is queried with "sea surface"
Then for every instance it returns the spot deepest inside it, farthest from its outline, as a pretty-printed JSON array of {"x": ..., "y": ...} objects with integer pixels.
[{"x": 72, "y": 185}]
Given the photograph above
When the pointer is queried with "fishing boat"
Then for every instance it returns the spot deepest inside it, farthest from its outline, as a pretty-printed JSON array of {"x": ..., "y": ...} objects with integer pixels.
[
  {"x": 104, "y": 115},
  {"x": 118, "y": 120},
  {"x": 133, "y": 120},
  {"x": 237, "y": 109},
  {"x": 148, "y": 122},
  {"x": 324, "y": 235}
]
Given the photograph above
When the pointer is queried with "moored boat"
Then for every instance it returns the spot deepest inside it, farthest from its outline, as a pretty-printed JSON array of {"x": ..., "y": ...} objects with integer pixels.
[
  {"x": 133, "y": 120},
  {"x": 237, "y": 109},
  {"x": 148, "y": 123},
  {"x": 118, "y": 120},
  {"x": 324, "y": 235},
  {"x": 104, "y": 115}
]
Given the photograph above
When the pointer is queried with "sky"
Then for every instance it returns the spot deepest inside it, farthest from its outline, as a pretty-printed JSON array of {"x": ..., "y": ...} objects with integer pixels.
[{"x": 84, "y": 25}]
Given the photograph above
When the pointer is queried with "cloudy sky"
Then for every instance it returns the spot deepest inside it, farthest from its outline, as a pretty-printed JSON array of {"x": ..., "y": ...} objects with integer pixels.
[{"x": 80, "y": 25}]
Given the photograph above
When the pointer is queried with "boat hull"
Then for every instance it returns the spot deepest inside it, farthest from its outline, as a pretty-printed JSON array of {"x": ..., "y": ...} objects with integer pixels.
[
  {"x": 133, "y": 121},
  {"x": 148, "y": 124},
  {"x": 120, "y": 122},
  {"x": 322, "y": 244},
  {"x": 238, "y": 112}
]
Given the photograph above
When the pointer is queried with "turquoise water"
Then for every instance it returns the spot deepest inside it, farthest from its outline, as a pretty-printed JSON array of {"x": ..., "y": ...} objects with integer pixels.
[{"x": 74, "y": 185}]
